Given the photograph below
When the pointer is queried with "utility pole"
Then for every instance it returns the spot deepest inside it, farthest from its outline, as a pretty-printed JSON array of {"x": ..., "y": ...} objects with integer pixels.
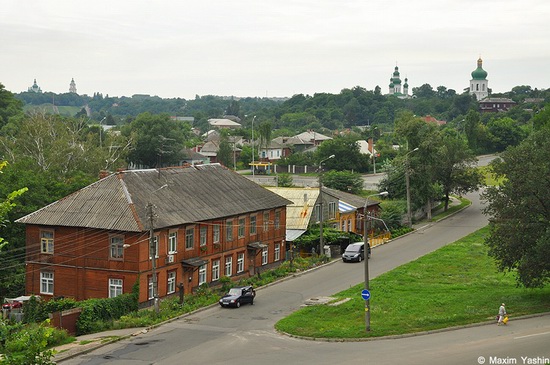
[
  {"x": 153, "y": 253},
  {"x": 407, "y": 187},
  {"x": 321, "y": 238}
]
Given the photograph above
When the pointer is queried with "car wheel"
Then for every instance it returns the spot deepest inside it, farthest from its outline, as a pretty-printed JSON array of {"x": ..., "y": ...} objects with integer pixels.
[
  {"x": 359, "y": 259},
  {"x": 238, "y": 304},
  {"x": 252, "y": 302}
]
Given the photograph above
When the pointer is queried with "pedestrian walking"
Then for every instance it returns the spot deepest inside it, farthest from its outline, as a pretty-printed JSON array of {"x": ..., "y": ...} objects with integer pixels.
[{"x": 501, "y": 315}]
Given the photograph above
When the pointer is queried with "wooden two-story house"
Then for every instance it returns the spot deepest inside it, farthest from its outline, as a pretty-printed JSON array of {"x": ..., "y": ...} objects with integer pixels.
[{"x": 186, "y": 226}]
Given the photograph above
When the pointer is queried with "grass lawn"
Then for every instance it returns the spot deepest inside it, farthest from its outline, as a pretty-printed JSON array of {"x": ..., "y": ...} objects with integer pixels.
[{"x": 455, "y": 285}]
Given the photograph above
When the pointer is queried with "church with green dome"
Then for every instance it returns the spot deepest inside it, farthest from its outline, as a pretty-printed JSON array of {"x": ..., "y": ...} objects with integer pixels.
[
  {"x": 395, "y": 85},
  {"x": 479, "y": 85}
]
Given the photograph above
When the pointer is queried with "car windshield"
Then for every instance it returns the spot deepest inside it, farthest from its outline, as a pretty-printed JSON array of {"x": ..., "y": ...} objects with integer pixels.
[
  {"x": 353, "y": 248},
  {"x": 235, "y": 291}
]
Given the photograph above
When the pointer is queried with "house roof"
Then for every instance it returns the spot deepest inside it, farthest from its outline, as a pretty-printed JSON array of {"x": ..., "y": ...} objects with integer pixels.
[
  {"x": 298, "y": 214},
  {"x": 179, "y": 195},
  {"x": 350, "y": 199},
  {"x": 312, "y": 136},
  {"x": 223, "y": 123}
]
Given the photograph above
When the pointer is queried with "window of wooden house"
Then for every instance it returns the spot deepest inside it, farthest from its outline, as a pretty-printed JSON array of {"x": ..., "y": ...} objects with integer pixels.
[
  {"x": 46, "y": 242},
  {"x": 172, "y": 243},
  {"x": 171, "y": 283},
  {"x": 229, "y": 230},
  {"x": 252, "y": 224},
  {"x": 241, "y": 227},
  {"x": 240, "y": 262}
]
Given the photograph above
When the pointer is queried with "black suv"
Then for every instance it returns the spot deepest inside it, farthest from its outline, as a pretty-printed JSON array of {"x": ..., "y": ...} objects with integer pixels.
[{"x": 237, "y": 296}]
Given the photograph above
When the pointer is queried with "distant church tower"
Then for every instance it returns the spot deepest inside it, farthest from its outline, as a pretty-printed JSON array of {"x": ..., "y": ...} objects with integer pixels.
[
  {"x": 406, "y": 87},
  {"x": 395, "y": 82},
  {"x": 35, "y": 88},
  {"x": 72, "y": 87},
  {"x": 479, "y": 84}
]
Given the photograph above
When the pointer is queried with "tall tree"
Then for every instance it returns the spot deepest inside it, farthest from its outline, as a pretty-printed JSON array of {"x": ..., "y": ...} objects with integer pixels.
[
  {"x": 519, "y": 210},
  {"x": 9, "y": 106},
  {"x": 456, "y": 170}
]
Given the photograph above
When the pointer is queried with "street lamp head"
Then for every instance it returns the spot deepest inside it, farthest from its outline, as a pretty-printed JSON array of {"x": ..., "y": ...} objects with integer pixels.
[
  {"x": 416, "y": 149},
  {"x": 331, "y": 156},
  {"x": 384, "y": 193}
]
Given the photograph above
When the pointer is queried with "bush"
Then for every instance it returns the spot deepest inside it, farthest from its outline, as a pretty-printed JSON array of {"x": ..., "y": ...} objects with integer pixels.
[{"x": 98, "y": 314}]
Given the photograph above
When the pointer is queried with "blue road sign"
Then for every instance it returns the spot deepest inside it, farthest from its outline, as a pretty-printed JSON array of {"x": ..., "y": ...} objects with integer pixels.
[{"x": 365, "y": 294}]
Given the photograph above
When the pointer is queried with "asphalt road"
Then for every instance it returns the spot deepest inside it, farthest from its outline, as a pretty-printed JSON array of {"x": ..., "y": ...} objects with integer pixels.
[{"x": 246, "y": 335}]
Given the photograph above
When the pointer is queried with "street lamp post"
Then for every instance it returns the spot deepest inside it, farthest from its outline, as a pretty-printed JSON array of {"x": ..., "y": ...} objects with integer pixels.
[
  {"x": 252, "y": 137},
  {"x": 100, "y": 129},
  {"x": 407, "y": 187},
  {"x": 366, "y": 250},
  {"x": 321, "y": 238}
]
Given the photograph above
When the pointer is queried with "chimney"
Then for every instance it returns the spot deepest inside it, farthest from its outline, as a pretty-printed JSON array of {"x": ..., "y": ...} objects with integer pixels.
[{"x": 103, "y": 174}]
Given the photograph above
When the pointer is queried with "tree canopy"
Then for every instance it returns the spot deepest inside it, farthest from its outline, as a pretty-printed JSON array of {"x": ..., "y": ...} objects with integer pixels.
[{"x": 519, "y": 210}]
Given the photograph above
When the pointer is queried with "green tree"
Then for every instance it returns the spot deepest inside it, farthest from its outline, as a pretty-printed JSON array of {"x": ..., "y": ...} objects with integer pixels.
[
  {"x": 348, "y": 181},
  {"x": 519, "y": 213},
  {"x": 157, "y": 140},
  {"x": 506, "y": 132},
  {"x": 346, "y": 152},
  {"x": 225, "y": 152},
  {"x": 456, "y": 170},
  {"x": 9, "y": 106}
]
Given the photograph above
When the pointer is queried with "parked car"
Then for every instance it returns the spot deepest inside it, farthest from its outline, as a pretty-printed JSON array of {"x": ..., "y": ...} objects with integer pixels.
[
  {"x": 355, "y": 252},
  {"x": 237, "y": 296}
]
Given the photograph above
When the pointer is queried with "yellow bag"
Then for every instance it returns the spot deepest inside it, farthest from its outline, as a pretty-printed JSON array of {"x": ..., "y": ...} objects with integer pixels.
[{"x": 505, "y": 320}]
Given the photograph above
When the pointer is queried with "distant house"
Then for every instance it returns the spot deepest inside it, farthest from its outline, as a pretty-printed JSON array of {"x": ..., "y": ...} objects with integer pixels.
[
  {"x": 494, "y": 105},
  {"x": 224, "y": 123},
  {"x": 433, "y": 120},
  {"x": 194, "y": 225},
  {"x": 367, "y": 147},
  {"x": 193, "y": 158},
  {"x": 313, "y": 137}
]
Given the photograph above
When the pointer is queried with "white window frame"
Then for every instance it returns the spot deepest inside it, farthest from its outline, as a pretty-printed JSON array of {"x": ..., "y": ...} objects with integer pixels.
[
  {"x": 216, "y": 233},
  {"x": 277, "y": 252},
  {"x": 115, "y": 287},
  {"x": 215, "y": 270},
  {"x": 240, "y": 262},
  {"x": 46, "y": 282},
  {"x": 116, "y": 247},
  {"x": 228, "y": 266},
  {"x": 171, "y": 282},
  {"x": 47, "y": 241},
  {"x": 202, "y": 274},
  {"x": 203, "y": 233},
  {"x": 189, "y": 238},
  {"x": 172, "y": 243},
  {"x": 265, "y": 252}
]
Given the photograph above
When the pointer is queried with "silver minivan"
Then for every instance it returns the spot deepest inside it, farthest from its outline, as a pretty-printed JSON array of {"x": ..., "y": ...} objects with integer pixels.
[{"x": 355, "y": 252}]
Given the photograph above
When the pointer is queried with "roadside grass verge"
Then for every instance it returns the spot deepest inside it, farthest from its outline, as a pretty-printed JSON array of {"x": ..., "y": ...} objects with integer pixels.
[
  {"x": 451, "y": 210},
  {"x": 455, "y": 285}
]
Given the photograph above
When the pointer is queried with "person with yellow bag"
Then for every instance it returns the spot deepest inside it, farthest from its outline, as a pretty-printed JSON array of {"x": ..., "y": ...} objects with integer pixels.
[{"x": 502, "y": 316}]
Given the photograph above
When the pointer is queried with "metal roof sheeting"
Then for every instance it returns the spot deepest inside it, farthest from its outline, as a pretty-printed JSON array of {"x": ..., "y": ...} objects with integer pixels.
[
  {"x": 179, "y": 195},
  {"x": 299, "y": 213}
]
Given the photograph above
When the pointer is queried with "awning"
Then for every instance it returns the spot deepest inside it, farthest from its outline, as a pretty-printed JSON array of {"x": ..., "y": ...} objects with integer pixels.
[
  {"x": 345, "y": 207},
  {"x": 194, "y": 262},
  {"x": 256, "y": 246},
  {"x": 292, "y": 234}
]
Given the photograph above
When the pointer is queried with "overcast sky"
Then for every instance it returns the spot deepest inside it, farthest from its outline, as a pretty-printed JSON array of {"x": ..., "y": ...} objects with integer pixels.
[{"x": 269, "y": 48}]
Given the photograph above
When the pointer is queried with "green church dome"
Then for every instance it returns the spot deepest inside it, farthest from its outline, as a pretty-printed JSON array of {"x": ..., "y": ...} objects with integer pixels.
[{"x": 479, "y": 73}]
